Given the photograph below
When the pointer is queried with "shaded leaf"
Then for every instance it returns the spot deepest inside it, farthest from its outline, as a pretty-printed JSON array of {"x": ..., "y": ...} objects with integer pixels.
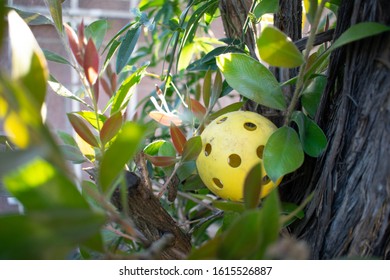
[
  {"x": 283, "y": 153},
  {"x": 72, "y": 154},
  {"x": 252, "y": 187},
  {"x": 251, "y": 79},
  {"x": 73, "y": 40},
  {"x": 217, "y": 89},
  {"x": 127, "y": 47},
  {"x": 67, "y": 138},
  {"x": 91, "y": 62},
  {"x": 33, "y": 18},
  {"x": 55, "y": 8},
  {"x": 82, "y": 129},
  {"x": 192, "y": 148},
  {"x": 111, "y": 127},
  {"x": 229, "y": 205},
  {"x": 165, "y": 118},
  {"x": 186, "y": 169},
  {"x": 311, "y": 94},
  {"x": 230, "y": 108},
  {"x": 178, "y": 138},
  {"x": 266, "y": 7},
  {"x": 161, "y": 161},
  {"x": 55, "y": 57},
  {"x": 197, "y": 108},
  {"x": 207, "y": 88},
  {"x": 312, "y": 137},
  {"x": 277, "y": 49},
  {"x": 97, "y": 30},
  {"x": 119, "y": 153}
]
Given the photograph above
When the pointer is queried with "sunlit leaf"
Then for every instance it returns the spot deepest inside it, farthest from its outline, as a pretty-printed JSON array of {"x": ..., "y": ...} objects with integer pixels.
[
  {"x": 283, "y": 153},
  {"x": 73, "y": 40},
  {"x": 120, "y": 152},
  {"x": 251, "y": 79},
  {"x": 127, "y": 47},
  {"x": 311, "y": 9},
  {"x": 312, "y": 137},
  {"x": 17, "y": 130},
  {"x": 91, "y": 62},
  {"x": 82, "y": 129},
  {"x": 111, "y": 127},
  {"x": 178, "y": 138},
  {"x": 266, "y": 7},
  {"x": 186, "y": 55},
  {"x": 277, "y": 49},
  {"x": 90, "y": 117},
  {"x": 97, "y": 30},
  {"x": 165, "y": 118},
  {"x": 10, "y": 160},
  {"x": 252, "y": 187},
  {"x": 192, "y": 148},
  {"x": 55, "y": 8},
  {"x": 207, "y": 88},
  {"x": 153, "y": 148}
]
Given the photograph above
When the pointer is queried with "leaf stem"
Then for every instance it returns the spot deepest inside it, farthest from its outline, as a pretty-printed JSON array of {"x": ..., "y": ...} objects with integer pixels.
[{"x": 302, "y": 69}]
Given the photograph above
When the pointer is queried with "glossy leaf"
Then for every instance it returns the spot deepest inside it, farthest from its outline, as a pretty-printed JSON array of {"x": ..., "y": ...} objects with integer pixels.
[
  {"x": 167, "y": 149},
  {"x": 153, "y": 148},
  {"x": 192, "y": 148},
  {"x": 162, "y": 161},
  {"x": 207, "y": 88},
  {"x": 97, "y": 30},
  {"x": 55, "y": 8},
  {"x": 251, "y": 79},
  {"x": 124, "y": 93},
  {"x": 111, "y": 127},
  {"x": 120, "y": 152},
  {"x": 197, "y": 108},
  {"x": 277, "y": 49},
  {"x": 178, "y": 138},
  {"x": 252, "y": 187},
  {"x": 91, "y": 62},
  {"x": 127, "y": 47},
  {"x": 90, "y": 117},
  {"x": 165, "y": 118},
  {"x": 266, "y": 7},
  {"x": 73, "y": 40},
  {"x": 82, "y": 129},
  {"x": 28, "y": 61},
  {"x": 312, "y": 137},
  {"x": 283, "y": 153},
  {"x": 311, "y": 95}
]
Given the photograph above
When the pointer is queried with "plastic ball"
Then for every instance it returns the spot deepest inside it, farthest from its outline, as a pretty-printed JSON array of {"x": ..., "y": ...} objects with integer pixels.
[{"x": 231, "y": 145}]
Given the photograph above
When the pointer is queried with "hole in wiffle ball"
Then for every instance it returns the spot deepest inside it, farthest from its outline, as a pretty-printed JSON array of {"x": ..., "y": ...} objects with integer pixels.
[
  {"x": 250, "y": 126},
  {"x": 260, "y": 151},
  {"x": 265, "y": 180},
  {"x": 217, "y": 183},
  {"x": 234, "y": 160},
  {"x": 221, "y": 120},
  {"x": 207, "y": 150}
]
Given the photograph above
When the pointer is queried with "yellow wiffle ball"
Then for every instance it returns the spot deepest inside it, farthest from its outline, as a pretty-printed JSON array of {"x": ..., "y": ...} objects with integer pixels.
[{"x": 231, "y": 145}]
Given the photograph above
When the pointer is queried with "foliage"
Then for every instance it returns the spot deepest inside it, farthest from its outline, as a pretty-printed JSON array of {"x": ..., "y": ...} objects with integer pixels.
[{"x": 59, "y": 218}]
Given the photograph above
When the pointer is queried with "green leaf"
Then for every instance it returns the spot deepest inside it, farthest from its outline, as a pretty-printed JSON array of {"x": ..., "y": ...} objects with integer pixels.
[
  {"x": 55, "y": 57},
  {"x": 311, "y": 9},
  {"x": 10, "y": 160},
  {"x": 90, "y": 117},
  {"x": 277, "y": 49},
  {"x": 311, "y": 95},
  {"x": 207, "y": 88},
  {"x": 359, "y": 31},
  {"x": 82, "y": 129},
  {"x": 55, "y": 8},
  {"x": 226, "y": 205},
  {"x": 127, "y": 47},
  {"x": 61, "y": 90},
  {"x": 251, "y": 79},
  {"x": 124, "y": 93},
  {"x": 111, "y": 127},
  {"x": 312, "y": 137},
  {"x": 67, "y": 138},
  {"x": 72, "y": 154},
  {"x": 186, "y": 169},
  {"x": 216, "y": 90},
  {"x": 283, "y": 153},
  {"x": 47, "y": 234},
  {"x": 252, "y": 187},
  {"x": 167, "y": 149},
  {"x": 229, "y": 108},
  {"x": 33, "y": 18},
  {"x": 266, "y": 7},
  {"x": 28, "y": 61},
  {"x": 119, "y": 153},
  {"x": 192, "y": 148},
  {"x": 153, "y": 148},
  {"x": 97, "y": 30}
]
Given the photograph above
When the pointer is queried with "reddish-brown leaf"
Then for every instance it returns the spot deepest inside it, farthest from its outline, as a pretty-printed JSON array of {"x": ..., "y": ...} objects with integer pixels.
[
  {"x": 178, "y": 138},
  {"x": 91, "y": 62},
  {"x": 74, "y": 43},
  {"x": 96, "y": 88},
  {"x": 161, "y": 161},
  {"x": 113, "y": 82},
  {"x": 81, "y": 36},
  {"x": 197, "y": 108},
  {"x": 165, "y": 118},
  {"x": 111, "y": 127},
  {"x": 82, "y": 129},
  {"x": 105, "y": 86}
]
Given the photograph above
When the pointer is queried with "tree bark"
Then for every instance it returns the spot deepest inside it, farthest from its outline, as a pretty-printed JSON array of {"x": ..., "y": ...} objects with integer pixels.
[{"x": 350, "y": 213}]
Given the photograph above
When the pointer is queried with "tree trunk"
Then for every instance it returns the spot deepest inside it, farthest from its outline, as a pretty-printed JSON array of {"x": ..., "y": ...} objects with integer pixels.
[{"x": 350, "y": 212}]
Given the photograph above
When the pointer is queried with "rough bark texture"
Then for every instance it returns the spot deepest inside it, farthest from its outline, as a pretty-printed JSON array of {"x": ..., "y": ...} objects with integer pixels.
[{"x": 350, "y": 213}]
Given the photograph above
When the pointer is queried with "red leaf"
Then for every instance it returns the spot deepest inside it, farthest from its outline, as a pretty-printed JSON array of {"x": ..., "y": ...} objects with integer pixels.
[
  {"x": 111, "y": 127},
  {"x": 197, "y": 108},
  {"x": 80, "y": 31},
  {"x": 113, "y": 82},
  {"x": 165, "y": 118},
  {"x": 91, "y": 62},
  {"x": 105, "y": 86},
  {"x": 74, "y": 43},
  {"x": 82, "y": 129},
  {"x": 178, "y": 138},
  {"x": 96, "y": 89},
  {"x": 161, "y": 161}
]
